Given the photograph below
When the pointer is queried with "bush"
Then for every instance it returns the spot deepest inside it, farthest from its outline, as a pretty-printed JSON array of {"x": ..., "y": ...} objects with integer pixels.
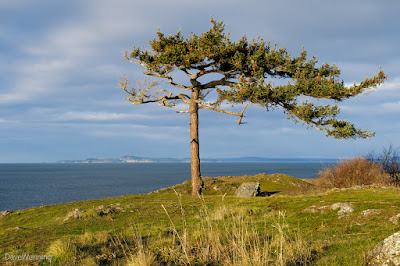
[
  {"x": 357, "y": 171},
  {"x": 389, "y": 160}
]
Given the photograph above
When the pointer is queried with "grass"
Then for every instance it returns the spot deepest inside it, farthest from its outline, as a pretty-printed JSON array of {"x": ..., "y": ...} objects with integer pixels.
[
  {"x": 273, "y": 183},
  {"x": 218, "y": 229}
]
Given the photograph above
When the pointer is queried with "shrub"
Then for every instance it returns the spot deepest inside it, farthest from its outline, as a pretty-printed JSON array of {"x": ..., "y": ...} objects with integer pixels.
[
  {"x": 389, "y": 160},
  {"x": 357, "y": 171}
]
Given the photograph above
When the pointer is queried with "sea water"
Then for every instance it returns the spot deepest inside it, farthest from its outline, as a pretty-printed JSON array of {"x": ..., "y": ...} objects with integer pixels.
[{"x": 28, "y": 185}]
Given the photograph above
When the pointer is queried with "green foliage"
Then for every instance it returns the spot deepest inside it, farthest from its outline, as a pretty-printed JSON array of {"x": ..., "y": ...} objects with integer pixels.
[
  {"x": 247, "y": 69},
  {"x": 146, "y": 227}
]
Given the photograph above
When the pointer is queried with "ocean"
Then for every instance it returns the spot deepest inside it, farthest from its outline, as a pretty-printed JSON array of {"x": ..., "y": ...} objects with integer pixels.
[{"x": 29, "y": 185}]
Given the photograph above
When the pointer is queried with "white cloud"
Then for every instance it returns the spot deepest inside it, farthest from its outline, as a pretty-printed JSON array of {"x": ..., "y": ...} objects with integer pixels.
[
  {"x": 6, "y": 121},
  {"x": 97, "y": 116},
  {"x": 137, "y": 131},
  {"x": 391, "y": 107},
  {"x": 11, "y": 3},
  {"x": 71, "y": 41},
  {"x": 35, "y": 79},
  {"x": 392, "y": 85}
]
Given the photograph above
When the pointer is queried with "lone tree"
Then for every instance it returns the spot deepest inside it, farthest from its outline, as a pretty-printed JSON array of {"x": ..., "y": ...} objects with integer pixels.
[{"x": 244, "y": 68}]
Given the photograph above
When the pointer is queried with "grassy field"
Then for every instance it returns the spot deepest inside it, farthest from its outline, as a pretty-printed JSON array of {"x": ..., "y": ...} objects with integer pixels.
[{"x": 171, "y": 227}]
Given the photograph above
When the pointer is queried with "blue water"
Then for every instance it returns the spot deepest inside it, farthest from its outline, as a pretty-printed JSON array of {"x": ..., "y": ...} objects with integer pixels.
[{"x": 28, "y": 185}]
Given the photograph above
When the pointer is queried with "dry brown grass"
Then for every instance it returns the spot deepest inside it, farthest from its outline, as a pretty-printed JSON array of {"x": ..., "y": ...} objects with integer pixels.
[
  {"x": 357, "y": 171},
  {"x": 226, "y": 236}
]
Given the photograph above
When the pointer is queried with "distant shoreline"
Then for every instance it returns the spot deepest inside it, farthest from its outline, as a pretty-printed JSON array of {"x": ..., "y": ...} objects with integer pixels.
[{"x": 135, "y": 159}]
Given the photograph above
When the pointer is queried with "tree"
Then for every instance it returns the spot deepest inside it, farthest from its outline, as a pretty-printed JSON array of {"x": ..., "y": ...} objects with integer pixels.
[{"x": 243, "y": 69}]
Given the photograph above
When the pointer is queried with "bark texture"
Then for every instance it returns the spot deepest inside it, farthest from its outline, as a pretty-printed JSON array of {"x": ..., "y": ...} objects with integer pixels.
[{"x": 197, "y": 182}]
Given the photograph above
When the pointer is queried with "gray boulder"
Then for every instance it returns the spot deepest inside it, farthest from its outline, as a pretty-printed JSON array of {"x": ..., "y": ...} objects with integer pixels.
[
  {"x": 370, "y": 212},
  {"x": 315, "y": 209},
  {"x": 386, "y": 252},
  {"x": 395, "y": 219},
  {"x": 105, "y": 210},
  {"x": 7, "y": 212},
  {"x": 75, "y": 214},
  {"x": 344, "y": 208},
  {"x": 248, "y": 189}
]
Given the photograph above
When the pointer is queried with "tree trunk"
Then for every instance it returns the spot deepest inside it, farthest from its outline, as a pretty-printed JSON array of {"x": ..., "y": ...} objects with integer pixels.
[{"x": 197, "y": 183}]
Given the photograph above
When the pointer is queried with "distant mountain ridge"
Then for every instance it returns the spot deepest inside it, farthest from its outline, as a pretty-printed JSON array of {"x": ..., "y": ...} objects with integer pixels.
[{"x": 136, "y": 159}]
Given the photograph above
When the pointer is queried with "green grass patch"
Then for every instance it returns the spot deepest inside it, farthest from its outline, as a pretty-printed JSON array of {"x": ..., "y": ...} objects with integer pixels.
[{"x": 217, "y": 229}]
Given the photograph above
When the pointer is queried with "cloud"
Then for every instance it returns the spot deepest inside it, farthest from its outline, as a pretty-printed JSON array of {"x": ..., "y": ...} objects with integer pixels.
[
  {"x": 391, "y": 107},
  {"x": 381, "y": 101},
  {"x": 33, "y": 79},
  {"x": 11, "y": 3},
  {"x": 97, "y": 116},
  {"x": 392, "y": 85},
  {"x": 60, "y": 63},
  {"x": 6, "y": 121}
]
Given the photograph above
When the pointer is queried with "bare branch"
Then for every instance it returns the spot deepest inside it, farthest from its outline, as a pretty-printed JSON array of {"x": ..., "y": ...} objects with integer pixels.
[
  {"x": 204, "y": 105},
  {"x": 133, "y": 62},
  {"x": 241, "y": 114},
  {"x": 191, "y": 76},
  {"x": 221, "y": 82},
  {"x": 144, "y": 96},
  {"x": 158, "y": 75},
  {"x": 171, "y": 81},
  {"x": 311, "y": 125}
]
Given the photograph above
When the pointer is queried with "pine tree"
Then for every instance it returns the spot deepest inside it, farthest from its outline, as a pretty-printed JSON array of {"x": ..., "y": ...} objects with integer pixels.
[{"x": 246, "y": 71}]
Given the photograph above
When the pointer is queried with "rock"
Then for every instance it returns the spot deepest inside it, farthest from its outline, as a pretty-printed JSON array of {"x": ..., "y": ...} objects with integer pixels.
[
  {"x": 7, "y": 212},
  {"x": 75, "y": 214},
  {"x": 248, "y": 189},
  {"x": 104, "y": 210},
  {"x": 344, "y": 208},
  {"x": 356, "y": 188},
  {"x": 370, "y": 212},
  {"x": 314, "y": 209},
  {"x": 386, "y": 252},
  {"x": 395, "y": 219}
]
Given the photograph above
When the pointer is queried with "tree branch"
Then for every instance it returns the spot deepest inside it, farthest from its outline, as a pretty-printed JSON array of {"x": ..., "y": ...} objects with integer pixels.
[
  {"x": 221, "y": 82},
  {"x": 312, "y": 125},
  {"x": 171, "y": 81},
  {"x": 143, "y": 96},
  {"x": 203, "y": 105}
]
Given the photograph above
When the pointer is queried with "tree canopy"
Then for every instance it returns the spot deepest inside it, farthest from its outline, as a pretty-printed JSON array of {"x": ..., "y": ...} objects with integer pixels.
[
  {"x": 242, "y": 72},
  {"x": 246, "y": 68}
]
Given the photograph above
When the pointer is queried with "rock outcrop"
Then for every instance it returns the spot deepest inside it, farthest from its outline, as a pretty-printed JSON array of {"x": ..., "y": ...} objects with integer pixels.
[
  {"x": 248, "y": 189},
  {"x": 344, "y": 208},
  {"x": 5, "y": 213},
  {"x": 75, "y": 214},
  {"x": 386, "y": 252},
  {"x": 105, "y": 210},
  {"x": 370, "y": 212},
  {"x": 395, "y": 219}
]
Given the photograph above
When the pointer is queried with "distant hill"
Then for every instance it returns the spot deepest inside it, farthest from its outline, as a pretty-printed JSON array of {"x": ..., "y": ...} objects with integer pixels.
[{"x": 135, "y": 159}]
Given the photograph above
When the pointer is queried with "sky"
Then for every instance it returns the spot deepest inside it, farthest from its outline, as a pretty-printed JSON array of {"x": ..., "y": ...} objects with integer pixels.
[{"x": 60, "y": 62}]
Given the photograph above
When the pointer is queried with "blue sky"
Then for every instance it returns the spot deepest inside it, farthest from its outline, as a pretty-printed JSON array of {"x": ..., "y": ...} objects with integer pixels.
[{"x": 60, "y": 62}]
